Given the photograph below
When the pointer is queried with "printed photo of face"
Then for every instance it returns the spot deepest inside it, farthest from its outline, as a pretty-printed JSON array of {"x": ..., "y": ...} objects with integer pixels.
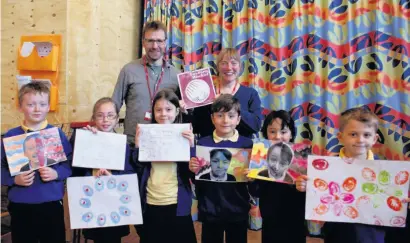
[
  {"x": 34, "y": 150},
  {"x": 279, "y": 158},
  {"x": 220, "y": 161},
  {"x": 30, "y": 151}
]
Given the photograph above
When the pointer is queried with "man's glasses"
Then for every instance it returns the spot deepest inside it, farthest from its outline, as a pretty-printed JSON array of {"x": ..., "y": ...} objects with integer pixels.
[
  {"x": 152, "y": 41},
  {"x": 109, "y": 116}
]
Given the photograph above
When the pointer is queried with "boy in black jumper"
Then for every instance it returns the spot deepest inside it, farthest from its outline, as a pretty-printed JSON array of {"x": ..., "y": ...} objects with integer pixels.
[{"x": 223, "y": 206}]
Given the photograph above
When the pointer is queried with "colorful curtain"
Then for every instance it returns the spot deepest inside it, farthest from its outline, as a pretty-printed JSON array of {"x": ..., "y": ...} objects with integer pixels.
[{"x": 314, "y": 58}]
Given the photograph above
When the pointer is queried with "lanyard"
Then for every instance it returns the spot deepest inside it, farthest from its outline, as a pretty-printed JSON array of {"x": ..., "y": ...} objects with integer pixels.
[
  {"x": 151, "y": 95},
  {"x": 233, "y": 90}
]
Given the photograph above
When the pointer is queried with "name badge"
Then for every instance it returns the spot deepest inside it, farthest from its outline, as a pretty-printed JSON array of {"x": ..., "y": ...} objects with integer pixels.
[{"x": 148, "y": 116}]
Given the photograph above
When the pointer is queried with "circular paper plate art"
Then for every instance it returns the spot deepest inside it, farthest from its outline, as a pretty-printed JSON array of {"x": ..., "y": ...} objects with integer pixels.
[{"x": 197, "y": 91}]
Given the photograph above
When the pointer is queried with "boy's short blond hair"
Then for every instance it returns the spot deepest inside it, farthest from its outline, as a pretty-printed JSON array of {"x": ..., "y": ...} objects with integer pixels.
[
  {"x": 360, "y": 114},
  {"x": 33, "y": 88}
]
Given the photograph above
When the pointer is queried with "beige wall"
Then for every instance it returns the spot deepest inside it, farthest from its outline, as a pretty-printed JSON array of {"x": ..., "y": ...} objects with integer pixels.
[{"x": 99, "y": 37}]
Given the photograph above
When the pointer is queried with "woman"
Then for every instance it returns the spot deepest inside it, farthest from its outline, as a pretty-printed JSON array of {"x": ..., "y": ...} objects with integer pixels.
[{"x": 229, "y": 66}]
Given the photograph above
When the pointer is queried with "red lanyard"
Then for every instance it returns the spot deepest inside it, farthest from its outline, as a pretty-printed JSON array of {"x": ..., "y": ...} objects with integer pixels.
[
  {"x": 233, "y": 90},
  {"x": 147, "y": 78}
]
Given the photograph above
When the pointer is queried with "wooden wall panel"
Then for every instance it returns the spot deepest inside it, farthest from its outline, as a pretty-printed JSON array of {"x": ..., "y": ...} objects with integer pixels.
[
  {"x": 99, "y": 37},
  {"x": 28, "y": 17},
  {"x": 102, "y": 37}
]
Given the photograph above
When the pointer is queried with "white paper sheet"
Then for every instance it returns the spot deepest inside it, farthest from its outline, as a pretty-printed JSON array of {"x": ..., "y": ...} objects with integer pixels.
[
  {"x": 96, "y": 202},
  {"x": 357, "y": 191},
  {"x": 163, "y": 142},
  {"x": 101, "y": 150}
]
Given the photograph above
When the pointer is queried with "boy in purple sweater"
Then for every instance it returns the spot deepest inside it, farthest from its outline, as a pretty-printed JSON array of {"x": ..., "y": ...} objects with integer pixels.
[
  {"x": 36, "y": 205},
  {"x": 223, "y": 207}
]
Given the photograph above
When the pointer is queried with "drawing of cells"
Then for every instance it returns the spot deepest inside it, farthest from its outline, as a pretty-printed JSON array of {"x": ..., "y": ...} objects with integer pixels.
[
  {"x": 384, "y": 177},
  {"x": 398, "y": 221},
  {"x": 111, "y": 184},
  {"x": 320, "y": 164},
  {"x": 88, "y": 191},
  {"x": 394, "y": 203},
  {"x": 370, "y": 188},
  {"x": 125, "y": 198},
  {"x": 115, "y": 217},
  {"x": 320, "y": 184},
  {"x": 99, "y": 184},
  {"x": 368, "y": 174},
  {"x": 402, "y": 177},
  {"x": 85, "y": 203},
  {"x": 124, "y": 211},
  {"x": 349, "y": 184},
  {"x": 87, "y": 217},
  {"x": 101, "y": 219},
  {"x": 122, "y": 186}
]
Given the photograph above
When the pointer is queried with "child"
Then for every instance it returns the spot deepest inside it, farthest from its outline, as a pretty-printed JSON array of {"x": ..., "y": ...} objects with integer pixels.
[
  {"x": 358, "y": 133},
  {"x": 223, "y": 207},
  {"x": 280, "y": 204},
  {"x": 166, "y": 193},
  {"x": 105, "y": 116},
  {"x": 36, "y": 197}
]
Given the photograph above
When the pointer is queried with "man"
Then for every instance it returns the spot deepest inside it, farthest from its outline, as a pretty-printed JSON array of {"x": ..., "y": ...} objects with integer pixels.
[
  {"x": 140, "y": 80},
  {"x": 220, "y": 161},
  {"x": 279, "y": 158},
  {"x": 35, "y": 157}
]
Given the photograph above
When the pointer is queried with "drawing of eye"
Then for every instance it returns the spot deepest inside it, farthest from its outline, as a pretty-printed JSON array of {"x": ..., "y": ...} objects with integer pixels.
[
  {"x": 88, "y": 191},
  {"x": 85, "y": 203},
  {"x": 124, "y": 211},
  {"x": 99, "y": 185},
  {"x": 122, "y": 186},
  {"x": 87, "y": 217},
  {"x": 115, "y": 217},
  {"x": 111, "y": 183},
  {"x": 125, "y": 199},
  {"x": 101, "y": 219}
]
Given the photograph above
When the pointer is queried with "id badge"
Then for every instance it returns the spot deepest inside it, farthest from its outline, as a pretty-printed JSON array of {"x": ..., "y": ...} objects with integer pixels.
[{"x": 148, "y": 116}]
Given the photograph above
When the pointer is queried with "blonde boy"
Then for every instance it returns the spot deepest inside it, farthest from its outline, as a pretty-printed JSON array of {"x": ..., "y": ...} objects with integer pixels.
[
  {"x": 358, "y": 133},
  {"x": 35, "y": 207}
]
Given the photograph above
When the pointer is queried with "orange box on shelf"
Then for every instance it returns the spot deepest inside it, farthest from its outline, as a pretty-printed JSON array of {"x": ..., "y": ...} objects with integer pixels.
[
  {"x": 40, "y": 53},
  {"x": 39, "y": 57}
]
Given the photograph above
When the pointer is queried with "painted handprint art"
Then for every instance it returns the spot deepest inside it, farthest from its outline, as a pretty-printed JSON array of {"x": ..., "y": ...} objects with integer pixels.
[{"x": 357, "y": 191}]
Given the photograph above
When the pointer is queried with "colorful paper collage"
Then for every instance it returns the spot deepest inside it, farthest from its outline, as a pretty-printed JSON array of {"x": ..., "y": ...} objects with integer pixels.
[
  {"x": 357, "y": 191},
  {"x": 287, "y": 161},
  {"x": 31, "y": 151},
  {"x": 222, "y": 164}
]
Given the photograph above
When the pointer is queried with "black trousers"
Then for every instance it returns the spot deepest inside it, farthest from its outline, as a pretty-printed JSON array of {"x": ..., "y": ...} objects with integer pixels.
[
  {"x": 278, "y": 231},
  {"x": 162, "y": 225},
  {"x": 236, "y": 232},
  {"x": 33, "y": 223}
]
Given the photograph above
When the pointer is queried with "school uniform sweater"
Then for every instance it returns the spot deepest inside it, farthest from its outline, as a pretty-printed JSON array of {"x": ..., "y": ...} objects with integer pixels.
[
  {"x": 251, "y": 114},
  {"x": 223, "y": 201},
  {"x": 336, "y": 232},
  {"x": 107, "y": 232},
  {"x": 39, "y": 191},
  {"x": 184, "y": 194}
]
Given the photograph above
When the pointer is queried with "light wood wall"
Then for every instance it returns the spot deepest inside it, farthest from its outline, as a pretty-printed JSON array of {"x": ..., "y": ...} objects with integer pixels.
[{"x": 99, "y": 37}]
